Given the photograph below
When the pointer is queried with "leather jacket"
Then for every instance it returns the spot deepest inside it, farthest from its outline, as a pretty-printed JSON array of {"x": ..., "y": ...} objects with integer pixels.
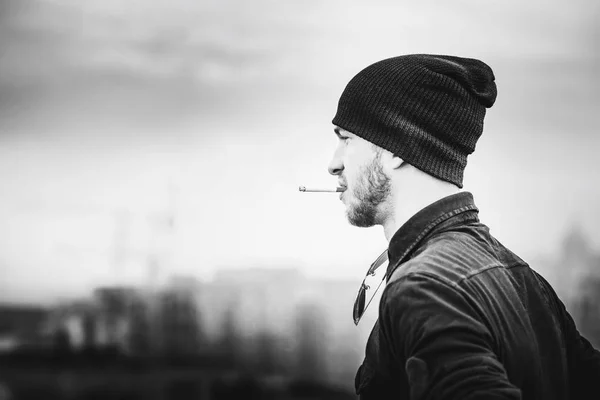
[{"x": 462, "y": 317}]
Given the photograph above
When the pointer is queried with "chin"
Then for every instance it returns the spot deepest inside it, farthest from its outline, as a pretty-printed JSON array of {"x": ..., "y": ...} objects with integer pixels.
[
  {"x": 360, "y": 224},
  {"x": 359, "y": 221},
  {"x": 362, "y": 215}
]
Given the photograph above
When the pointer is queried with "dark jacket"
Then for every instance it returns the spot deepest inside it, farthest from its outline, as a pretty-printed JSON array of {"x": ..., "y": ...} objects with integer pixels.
[{"x": 462, "y": 317}]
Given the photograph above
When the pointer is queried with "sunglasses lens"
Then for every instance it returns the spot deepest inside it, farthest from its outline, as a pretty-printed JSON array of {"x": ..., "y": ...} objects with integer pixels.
[{"x": 359, "y": 304}]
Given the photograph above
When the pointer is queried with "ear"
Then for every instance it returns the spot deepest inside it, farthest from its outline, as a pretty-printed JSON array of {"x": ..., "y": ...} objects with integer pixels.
[
  {"x": 391, "y": 161},
  {"x": 396, "y": 162}
]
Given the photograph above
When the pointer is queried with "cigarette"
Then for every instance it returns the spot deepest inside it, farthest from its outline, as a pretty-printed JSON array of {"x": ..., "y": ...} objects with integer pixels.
[{"x": 337, "y": 189}]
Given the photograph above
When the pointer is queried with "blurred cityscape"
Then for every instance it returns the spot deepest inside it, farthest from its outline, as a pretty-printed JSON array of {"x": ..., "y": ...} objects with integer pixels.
[
  {"x": 256, "y": 333},
  {"x": 265, "y": 333}
]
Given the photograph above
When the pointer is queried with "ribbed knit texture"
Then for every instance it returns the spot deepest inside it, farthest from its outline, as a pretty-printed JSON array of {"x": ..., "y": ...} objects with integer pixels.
[{"x": 426, "y": 109}]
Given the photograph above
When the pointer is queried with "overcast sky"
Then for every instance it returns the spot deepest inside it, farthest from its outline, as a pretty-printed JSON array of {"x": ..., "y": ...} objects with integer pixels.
[{"x": 114, "y": 113}]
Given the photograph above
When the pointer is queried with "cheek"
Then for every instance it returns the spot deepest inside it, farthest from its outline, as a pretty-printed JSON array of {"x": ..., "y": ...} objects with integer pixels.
[
  {"x": 354, "y": 174},
  {"x": 353, "y": 161}
]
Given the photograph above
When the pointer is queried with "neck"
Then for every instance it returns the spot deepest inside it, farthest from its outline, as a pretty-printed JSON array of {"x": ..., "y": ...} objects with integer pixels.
[{"x": 403, "y": 205}]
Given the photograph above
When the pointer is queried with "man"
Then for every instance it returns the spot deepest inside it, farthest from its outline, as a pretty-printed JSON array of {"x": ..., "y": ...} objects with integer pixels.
[{"x": 460, "y": 316}]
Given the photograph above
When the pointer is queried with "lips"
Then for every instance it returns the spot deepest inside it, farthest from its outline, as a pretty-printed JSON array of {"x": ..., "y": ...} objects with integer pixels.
[
  {"x": 344, "y": 186},
  {"x": 342, "y": 193}
]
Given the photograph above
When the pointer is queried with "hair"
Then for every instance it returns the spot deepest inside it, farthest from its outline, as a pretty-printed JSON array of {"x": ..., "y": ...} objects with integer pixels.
[{"x": 377, "y": 150}]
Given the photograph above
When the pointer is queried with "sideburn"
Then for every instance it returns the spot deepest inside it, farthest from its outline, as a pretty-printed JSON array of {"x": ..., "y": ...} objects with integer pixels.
[{"x": 374, "y": 189}]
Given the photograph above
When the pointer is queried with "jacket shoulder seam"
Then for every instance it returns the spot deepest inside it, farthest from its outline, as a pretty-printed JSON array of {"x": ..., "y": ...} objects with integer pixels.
[{"x": 487, "y": 268}]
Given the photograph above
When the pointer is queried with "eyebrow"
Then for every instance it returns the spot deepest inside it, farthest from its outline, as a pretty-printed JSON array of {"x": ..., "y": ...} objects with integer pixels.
[{"x": 337, "y": 131}]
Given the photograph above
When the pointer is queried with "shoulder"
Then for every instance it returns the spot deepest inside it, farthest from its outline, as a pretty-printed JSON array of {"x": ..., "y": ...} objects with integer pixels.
[
  {"x": 444, "y": 260},
  {"x": 452, "y": 257}
]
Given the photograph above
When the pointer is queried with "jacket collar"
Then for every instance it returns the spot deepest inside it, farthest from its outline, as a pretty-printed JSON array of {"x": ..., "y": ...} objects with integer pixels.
[{"x": 439, "y": 215}]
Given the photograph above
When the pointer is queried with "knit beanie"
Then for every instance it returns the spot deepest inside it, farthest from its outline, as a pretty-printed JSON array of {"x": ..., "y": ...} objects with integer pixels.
[{"x": 426, "y": 109}]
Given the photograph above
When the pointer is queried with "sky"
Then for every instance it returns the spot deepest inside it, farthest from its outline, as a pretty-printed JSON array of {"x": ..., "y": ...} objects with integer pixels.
[{"x": 140, "y": 139}]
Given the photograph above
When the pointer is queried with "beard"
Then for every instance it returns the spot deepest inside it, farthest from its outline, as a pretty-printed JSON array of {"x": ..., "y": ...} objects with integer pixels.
[{"x": 372, "y": 189}]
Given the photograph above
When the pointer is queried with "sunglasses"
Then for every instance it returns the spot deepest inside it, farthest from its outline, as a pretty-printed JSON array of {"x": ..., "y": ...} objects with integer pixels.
[{"x": 359, "y": 304}]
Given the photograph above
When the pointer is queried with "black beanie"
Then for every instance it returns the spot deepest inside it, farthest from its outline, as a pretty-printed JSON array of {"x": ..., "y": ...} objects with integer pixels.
[{"x": 426, "y": 109}]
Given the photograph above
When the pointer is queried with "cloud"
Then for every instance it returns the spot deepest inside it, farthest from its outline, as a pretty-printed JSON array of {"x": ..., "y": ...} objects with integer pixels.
[{"x": 71, "y": 66}]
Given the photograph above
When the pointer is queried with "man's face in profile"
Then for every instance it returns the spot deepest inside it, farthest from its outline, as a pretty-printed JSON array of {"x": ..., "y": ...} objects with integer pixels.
[{"x": 357, "y": 164}]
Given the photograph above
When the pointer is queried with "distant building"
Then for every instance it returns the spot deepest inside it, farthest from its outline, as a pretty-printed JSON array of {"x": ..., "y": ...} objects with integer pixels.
[
  {"x": 23, "y": 327},
  {"x": 72, "y": 324},
  {"x": 179, "y": 318},
  {"x": 578, "y": 283},
  {"x": 575, "y": 265},
  {"x": 113, "y": 306}
]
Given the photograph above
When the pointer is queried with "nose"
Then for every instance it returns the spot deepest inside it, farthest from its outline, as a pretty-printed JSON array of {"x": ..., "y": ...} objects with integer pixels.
[{"x": 336, "y": 165}]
